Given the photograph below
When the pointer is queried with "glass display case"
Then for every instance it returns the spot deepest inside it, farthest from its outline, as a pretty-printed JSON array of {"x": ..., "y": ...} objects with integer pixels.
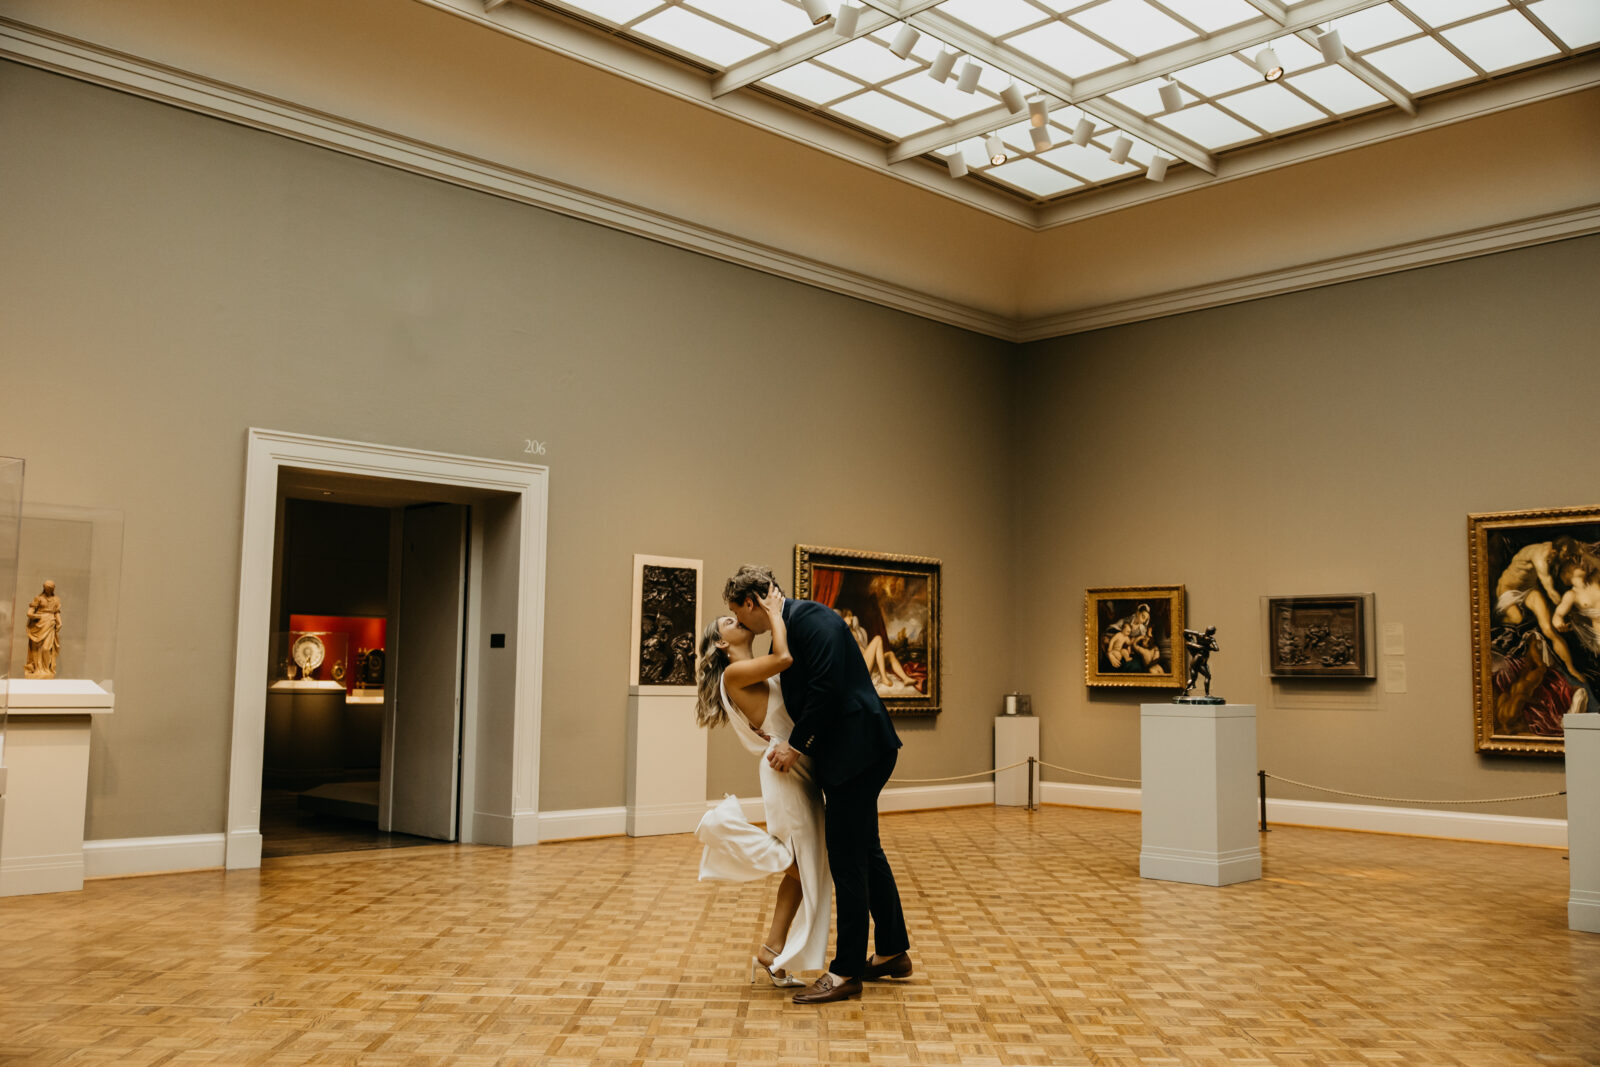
[
  {"x": 10, "y": 526},
  {"x": 1327, "y": 635},
  {"x": 69, "y": 573},
  {"x": 304, "y": 660}
]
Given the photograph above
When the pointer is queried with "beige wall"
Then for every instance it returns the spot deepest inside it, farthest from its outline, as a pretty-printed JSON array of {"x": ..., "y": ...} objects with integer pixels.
[
  {"x": 1329, "y": 441},
  {"x": 170, "y": 280}
]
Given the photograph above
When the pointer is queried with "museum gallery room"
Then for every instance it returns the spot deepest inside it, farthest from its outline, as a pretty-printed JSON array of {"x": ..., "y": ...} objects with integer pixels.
[{"x": 1185, "y": 407}]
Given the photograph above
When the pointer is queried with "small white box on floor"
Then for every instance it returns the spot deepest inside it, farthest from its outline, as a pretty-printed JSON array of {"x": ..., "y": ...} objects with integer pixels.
[
  {"x": 666, "y": 791},
  {"x": 1583, "y": 821},
  {"x": 1197, "y": 793},
  {"x": 1016, "y": 737}
]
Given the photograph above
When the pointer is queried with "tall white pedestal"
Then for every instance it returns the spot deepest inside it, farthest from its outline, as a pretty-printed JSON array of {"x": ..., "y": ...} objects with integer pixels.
[
  {"x": 1197, "y": 793},
  {"x": 1583, "y": 821},
  {"x": 666, "y": 763},
  {"x": 47, "y": 784},
  {"x": 1016, "y": 737}
]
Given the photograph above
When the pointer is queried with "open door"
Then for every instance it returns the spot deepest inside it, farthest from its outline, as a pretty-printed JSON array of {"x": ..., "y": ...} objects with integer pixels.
[{"x": 424, "y": 736}]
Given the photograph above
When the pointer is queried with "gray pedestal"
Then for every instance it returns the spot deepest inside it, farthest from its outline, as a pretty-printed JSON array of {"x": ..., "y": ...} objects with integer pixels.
[
  {"x": 1016, "y": 737},
  {"x": 1583, "y": 821},
  {"x": 1197, "y": 793}
]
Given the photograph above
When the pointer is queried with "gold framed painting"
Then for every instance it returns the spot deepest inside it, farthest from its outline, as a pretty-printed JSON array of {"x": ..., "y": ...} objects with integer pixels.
[
  {"x": 1133, "y": 636},
  {"x": 891, "y": 604},
  {"x": 1535, "y": 591}
]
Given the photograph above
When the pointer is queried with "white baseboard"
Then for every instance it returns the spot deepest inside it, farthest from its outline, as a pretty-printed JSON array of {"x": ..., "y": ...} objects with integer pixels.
[
  {"x": 58, "y": 873},
  {"x": 119, "y": 857},
  {"x": 1418, "y": 822},
  {"x": 919, "y": 797},
  {"x": 1583, "y": 911},
  {"x": 582, "y": 822}
]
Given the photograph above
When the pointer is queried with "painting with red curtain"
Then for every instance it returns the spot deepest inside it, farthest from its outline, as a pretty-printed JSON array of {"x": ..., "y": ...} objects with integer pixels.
[{"x": 891, "y": 604}]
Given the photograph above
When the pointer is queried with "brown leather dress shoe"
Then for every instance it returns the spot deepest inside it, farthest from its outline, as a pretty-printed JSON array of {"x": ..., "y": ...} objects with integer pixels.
[
  {"x": 896, "y": 966},
  {"x": 825, "y": 990}
]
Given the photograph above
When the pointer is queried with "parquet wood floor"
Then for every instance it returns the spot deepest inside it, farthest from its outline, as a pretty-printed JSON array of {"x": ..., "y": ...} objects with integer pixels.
[{"x": 1035, "y": 942}]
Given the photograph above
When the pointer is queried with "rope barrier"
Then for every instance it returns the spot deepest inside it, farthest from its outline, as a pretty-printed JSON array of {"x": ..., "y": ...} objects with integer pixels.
[
  {"x": 959, "y": 777},
  {"x": 1086, "y": 774},
  {"x": 1411, "y": 800}
]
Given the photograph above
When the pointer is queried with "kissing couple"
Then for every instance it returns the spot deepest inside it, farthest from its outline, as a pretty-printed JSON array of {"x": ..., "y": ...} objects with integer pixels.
[{"x": 809, "y": 710}]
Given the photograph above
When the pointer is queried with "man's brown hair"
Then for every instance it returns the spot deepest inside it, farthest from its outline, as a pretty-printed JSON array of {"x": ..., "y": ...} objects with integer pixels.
[{"x": 752, "y": 579}]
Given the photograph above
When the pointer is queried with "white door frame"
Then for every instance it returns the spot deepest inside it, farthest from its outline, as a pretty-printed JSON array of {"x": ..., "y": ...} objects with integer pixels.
[{"x": 271, "y": 450}]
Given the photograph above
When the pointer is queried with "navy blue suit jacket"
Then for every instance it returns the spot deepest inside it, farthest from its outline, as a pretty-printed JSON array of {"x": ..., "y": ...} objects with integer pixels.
[{"x": 838, "y": 719}]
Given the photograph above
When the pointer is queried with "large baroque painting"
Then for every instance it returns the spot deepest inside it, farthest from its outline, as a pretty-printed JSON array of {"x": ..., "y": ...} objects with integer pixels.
[
  {"x": 891, "y": 604},
  {"x": 1535, "y": 581}
]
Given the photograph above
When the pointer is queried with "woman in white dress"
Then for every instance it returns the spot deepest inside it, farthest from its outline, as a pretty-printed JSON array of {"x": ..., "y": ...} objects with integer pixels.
[{"x": 740, "y": 689}]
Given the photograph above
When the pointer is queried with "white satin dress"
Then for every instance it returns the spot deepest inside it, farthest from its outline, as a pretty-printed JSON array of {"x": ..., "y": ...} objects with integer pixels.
[{"x": 737, "y": 851}]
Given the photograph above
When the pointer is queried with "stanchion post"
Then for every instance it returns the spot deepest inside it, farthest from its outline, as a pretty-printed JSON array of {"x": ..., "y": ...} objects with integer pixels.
[
  {"x": 1032, "y": 806},
  {"x": 1263, "y": 777}
]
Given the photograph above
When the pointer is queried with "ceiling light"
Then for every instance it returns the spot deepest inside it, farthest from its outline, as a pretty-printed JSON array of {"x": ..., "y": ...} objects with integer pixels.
[
  {"x": 844, "y": 23},
  {"x": 1012, "y": 96},
  {"x": 957, "y": 163},
  {"x": 1082, "y": 132},
  {"x": 1120, "y": 148},
  {"x": 1332, "y": 47},
  {"x": 1041, "y": 137},
  {"x": 968, "y": 81},
  {"x": 943, "y": 64},
  {"x": 1157, "y": 171},
  {"x": 1267, "y": 63},
  {"x": 1038, "y": 111},
  {"x": 817, "y": 11},
  {"x": 1171, "y": 95},
  {"x": 905, "y": 39},
  {"x": 996, "y": 150}
]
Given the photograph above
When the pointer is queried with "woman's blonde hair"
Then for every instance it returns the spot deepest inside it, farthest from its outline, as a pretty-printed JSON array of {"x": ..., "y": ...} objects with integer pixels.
[{"x": 708, "y": 709}]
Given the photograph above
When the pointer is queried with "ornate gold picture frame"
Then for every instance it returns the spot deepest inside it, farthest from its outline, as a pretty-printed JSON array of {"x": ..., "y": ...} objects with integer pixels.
[
  {"x": 891, "y": 603},
  {"x": 1535, "y": 594},
  {"x": 1133, "y": 636}
]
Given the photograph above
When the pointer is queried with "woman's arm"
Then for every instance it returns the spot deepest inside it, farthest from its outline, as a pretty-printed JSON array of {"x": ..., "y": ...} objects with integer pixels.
[{"x": 749, "y": 672}]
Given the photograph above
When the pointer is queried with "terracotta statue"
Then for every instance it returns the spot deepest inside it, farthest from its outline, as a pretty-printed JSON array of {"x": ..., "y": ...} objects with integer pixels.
[{"x": 44, "y": 633}]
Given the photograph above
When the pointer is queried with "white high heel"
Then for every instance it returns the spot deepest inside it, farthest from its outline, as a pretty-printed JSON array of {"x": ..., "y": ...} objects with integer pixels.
[{"x": 782, "y": 981}]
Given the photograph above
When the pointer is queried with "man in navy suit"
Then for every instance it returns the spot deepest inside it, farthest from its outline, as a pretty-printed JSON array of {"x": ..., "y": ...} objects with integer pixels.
[{"x": 842, "y": 725}]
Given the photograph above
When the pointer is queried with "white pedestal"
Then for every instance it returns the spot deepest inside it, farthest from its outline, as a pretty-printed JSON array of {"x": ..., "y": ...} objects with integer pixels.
[
  {"x": 666, "y": 763},
  {"x": 1197, "y": 793},
  {"x": 47, "y": 760},
  {"x": 1583, "y": 821},
  {"x": 1015, "y": 737}
]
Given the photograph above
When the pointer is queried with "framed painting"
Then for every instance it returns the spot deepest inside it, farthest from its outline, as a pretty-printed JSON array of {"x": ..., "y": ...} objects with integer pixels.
[
  {"x": 1133, "y": 636},
  {"x": 1535, "y": 594},
  {"x": 666, "y": 623},
  {"x": 1326, "y": 636},
  {"x": 891, "y": 604}
]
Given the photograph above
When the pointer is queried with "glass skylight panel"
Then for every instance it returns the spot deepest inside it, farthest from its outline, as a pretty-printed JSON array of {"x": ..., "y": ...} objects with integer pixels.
[
  {"x": 1576, "y": 22},
  {"x": 1273, "y": 108},
  {"x": 1064, "y": 48},
  {"x": 941, "y": 98},
  {"x": 1033, "y": 177},
  {"x": 886, "y": 115},
  {"x": 995, "y": 18},
  {"x": 1208, "y": 127},
  {"x": 1337, "y": 90},
  {"x": 1375, "y": 26},
  {"x": 1133, "y": 26},
  {"x": 699, "y": 37},
  {"x": 1502, "y": 41},
  {"x": 773, "y": 20},
  {"x": 618, "y": 11},
  {"x": 1212, "y": 15},
  {"x": 1438, "y": 13},
  {"x": 1421, "y": 65},
  {"x": 1145, "y": 98},
  {"x": 1089, "y": 162},
  {"x": 868, "y": 60},
  {"x": 1296, "y": 54},
  {"x": 1217, "y": 76},
  {"x": 809, "y": 82}
]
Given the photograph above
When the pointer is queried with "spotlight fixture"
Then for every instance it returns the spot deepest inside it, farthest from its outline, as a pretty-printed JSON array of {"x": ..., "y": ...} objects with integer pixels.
[
  {"x": 1041, "y": 137},
  {"x": 1038, "y": 112},
  {"x": 1267, "y": 63},
  {"x": 1171, "y": 95},
  {"x": 1082, "y": 132},
  {"x": 996, "y": 149},
  {"x": 1157, "y": 171},
  {"x": 968, "y": 81},
  {"x": 943, "y": 64},
  {"x": 905, "y": 39},
  {"x": 1013, "y": 99},
  {"x": 1120, "y": 148},
  {"x": 956, "y": 162},
  {"x": 817, "y": 11},
  {"x": 1332, "y": 47},
  {"x": 844, "y": 23}
]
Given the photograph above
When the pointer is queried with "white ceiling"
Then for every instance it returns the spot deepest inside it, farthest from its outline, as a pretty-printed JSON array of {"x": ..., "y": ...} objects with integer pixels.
[{"x": 525, "y": 102}]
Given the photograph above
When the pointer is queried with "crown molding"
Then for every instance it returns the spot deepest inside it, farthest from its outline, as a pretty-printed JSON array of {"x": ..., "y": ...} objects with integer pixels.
[{"x": 1465, "y": 244}]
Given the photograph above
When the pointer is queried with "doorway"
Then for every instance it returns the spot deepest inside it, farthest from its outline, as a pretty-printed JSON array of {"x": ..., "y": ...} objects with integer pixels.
[{"x": 477, "y": 772}]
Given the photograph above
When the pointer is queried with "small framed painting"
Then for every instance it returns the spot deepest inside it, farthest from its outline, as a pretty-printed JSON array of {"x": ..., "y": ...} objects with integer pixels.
[{"x": 1129, "y": 636}]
